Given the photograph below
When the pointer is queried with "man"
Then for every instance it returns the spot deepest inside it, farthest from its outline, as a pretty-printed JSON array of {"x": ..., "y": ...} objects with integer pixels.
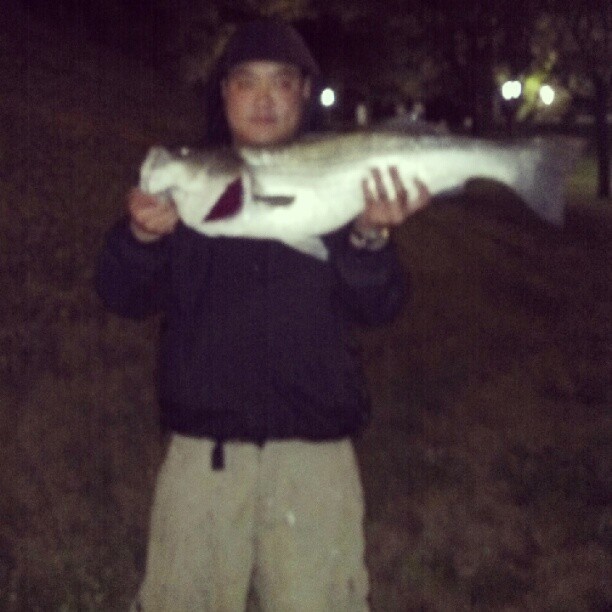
[{"x": 258, "y": 382}]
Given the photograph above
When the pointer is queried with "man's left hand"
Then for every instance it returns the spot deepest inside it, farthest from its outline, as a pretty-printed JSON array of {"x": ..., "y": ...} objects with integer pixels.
[{"x": 384, "y": 210}]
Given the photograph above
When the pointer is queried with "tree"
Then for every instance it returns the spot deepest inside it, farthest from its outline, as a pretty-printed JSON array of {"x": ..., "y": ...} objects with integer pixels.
[
  {"x": 200, "y": 28},
  {"x": 363, "y": 51},
  {"x": 471, "y": 42},
  {"x": 576, "y": 38},
  {"x": 441, "y": 49}
]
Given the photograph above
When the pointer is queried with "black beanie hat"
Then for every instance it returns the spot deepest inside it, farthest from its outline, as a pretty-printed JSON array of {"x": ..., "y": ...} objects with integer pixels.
[{"x": 268, "y": 40}]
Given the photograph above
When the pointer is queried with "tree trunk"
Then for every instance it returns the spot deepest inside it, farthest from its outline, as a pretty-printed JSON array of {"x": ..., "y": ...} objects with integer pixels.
[{"x": 602, "y": 140}]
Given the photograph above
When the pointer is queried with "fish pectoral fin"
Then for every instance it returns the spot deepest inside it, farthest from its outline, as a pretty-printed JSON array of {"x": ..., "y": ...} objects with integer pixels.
[{"x": 274, "y": 200}]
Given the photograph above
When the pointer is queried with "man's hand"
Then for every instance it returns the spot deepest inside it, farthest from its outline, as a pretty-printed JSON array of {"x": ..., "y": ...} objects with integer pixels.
[
  {"x": 150, "y": 217},
  {"x": 383, "y": 210}
]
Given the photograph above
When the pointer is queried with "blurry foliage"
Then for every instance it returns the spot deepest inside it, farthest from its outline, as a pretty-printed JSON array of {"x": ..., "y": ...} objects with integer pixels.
[
  {"x": 576, "y": 40},
  {"x": 200, "y": 29},
  {"x": 575, "y": 37},
  {"x": 443, "y": 52}
]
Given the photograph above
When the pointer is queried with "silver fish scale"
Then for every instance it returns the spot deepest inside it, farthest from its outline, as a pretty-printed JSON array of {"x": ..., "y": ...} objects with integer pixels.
[
  {"x": 349, "y": 148},
  {"x": 215, "y": 161}
]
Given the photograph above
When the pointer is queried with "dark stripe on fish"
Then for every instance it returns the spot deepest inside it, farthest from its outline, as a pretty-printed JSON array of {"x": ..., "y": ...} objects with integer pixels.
[{"x": 274, "y": 200}]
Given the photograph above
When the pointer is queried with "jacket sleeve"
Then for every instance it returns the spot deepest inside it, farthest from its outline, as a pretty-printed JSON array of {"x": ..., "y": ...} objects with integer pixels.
[
  {"x": 130, "y": 274},
  {"x": 371, "y": 285}
]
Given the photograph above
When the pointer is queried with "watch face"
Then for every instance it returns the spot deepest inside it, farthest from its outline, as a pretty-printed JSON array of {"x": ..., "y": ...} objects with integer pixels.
[{"x": 372, "y": 241}]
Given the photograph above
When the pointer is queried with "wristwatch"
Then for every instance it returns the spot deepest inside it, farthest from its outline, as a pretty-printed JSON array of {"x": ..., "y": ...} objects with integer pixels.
[{"x": 373, "y": 240}]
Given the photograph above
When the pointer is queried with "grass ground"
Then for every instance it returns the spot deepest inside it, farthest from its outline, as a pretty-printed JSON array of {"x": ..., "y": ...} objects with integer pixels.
[{"x": 486, "y": 467}]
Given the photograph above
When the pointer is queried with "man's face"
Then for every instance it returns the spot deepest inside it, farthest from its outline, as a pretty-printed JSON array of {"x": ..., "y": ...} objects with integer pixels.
[{"x": 264, "y": 102}]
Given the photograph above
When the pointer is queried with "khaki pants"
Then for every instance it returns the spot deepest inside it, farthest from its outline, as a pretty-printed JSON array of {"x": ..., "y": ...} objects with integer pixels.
[{"x": 286, "y": 519}]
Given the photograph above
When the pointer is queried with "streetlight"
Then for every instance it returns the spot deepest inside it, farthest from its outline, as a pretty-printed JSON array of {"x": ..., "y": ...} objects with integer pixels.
[
  {"x": 328, "y": 97},
  {"x": 547, "y": 94},
  {"x": 511, "y": 90},
  {"x": 327, "y": 100}
]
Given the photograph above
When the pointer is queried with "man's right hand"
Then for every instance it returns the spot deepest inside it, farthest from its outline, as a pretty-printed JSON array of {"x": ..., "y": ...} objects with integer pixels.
[{"x": 150, "y": 217}]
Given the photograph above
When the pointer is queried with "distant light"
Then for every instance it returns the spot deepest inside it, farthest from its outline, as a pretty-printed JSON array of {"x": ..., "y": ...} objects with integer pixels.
[
  {"x": 547, "y": 94},
  {"x": 511, "y": 90},
  {"x": 328, "y": 97},
  {"x": 361, "y": 114}
]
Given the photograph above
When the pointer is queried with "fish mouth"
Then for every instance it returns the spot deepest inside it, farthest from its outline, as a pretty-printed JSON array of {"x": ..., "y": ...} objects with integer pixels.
[{"x": 274, "y": 200}]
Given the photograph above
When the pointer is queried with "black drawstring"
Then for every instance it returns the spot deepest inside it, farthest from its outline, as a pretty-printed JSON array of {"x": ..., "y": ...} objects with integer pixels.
[{"x": 217, "y": 457}]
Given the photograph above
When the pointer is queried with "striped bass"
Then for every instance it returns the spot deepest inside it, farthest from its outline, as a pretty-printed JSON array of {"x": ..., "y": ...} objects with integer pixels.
[{"x": 298, "y": 192}]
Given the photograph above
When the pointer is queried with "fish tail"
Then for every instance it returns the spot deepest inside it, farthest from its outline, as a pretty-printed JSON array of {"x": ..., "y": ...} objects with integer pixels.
[{"x": 543, "y": 177}]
